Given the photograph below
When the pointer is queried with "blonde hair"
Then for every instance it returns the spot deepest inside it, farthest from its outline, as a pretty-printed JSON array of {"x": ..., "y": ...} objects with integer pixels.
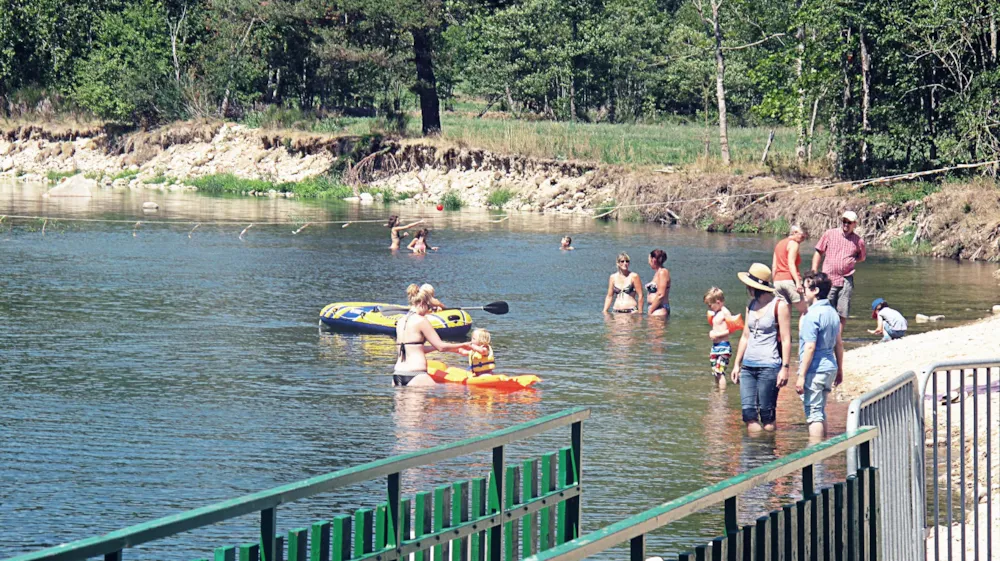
[
  {"x": 624, "y": 256},
  {"x": 419, "y": 295},
  {"x": 427, "y": 286},
  {"x": 481, "y": 337},
  {"x": 714, "y": 295}
]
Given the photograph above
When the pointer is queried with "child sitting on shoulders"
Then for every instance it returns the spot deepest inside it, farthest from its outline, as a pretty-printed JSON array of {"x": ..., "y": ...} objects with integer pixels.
[
  {"x": 891, "y": 324},
  {"x": 480, "y": 363},
  {"x": 723, "y": 323}
]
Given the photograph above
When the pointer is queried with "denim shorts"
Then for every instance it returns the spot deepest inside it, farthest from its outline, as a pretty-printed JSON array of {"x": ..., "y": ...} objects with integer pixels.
[
  {"x": 759, "y": 393},
  {"x": 817, "y": 388}
]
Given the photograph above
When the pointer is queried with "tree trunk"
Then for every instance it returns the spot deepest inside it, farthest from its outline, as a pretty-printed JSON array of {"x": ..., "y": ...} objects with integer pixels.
[
  {"x": 720, "y": 87},
  {"x": 812, "y": 130},
  {"x": 993, "y": 36},
  {"x": 800, "y": 118},
  {"x": 866, "y": 81},
  {"x": 426, "y": 87}
]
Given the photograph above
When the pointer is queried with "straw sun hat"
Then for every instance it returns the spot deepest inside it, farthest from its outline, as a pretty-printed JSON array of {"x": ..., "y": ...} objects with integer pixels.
[{"x": 759, "y": 277}]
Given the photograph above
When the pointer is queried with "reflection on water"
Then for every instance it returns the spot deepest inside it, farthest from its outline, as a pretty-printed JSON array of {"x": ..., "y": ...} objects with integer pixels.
[{"x": 147, "y": 375}]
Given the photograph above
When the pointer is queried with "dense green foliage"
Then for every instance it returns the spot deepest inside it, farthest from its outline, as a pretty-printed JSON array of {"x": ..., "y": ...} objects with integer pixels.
[{"x": 894, "y": 85}]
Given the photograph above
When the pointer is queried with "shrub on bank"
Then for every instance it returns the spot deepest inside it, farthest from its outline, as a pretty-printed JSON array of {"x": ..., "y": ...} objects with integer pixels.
[
  {"x": 500, "y": 196},
  {"x": 452, "y": 201}
]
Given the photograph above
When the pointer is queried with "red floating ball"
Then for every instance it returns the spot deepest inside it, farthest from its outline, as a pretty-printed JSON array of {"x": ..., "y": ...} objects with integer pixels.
[{"x": 440, "y": 207}]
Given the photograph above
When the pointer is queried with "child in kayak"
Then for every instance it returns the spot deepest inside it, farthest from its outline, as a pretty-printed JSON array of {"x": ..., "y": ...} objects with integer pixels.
[
  {"x": 722, "y": 321},
  {"x": 481, "y": 363}
]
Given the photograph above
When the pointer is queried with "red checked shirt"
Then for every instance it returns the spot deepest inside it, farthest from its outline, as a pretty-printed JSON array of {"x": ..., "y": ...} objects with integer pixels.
[{"x": 840, "y": 254}]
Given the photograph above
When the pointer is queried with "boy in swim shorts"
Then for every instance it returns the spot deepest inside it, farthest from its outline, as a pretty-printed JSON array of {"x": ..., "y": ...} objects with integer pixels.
[{"x": 721, "y": 349}]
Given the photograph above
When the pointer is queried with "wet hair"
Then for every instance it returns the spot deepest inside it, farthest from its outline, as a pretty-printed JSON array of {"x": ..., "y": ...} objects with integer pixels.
[
  {"x": 624, "y": 256},
  {"x": 819, "y": 281},
  {"x": 567, "y": 239},
  {"x": 422, "y": 233},
  {"x": 393, "y": 220},
  {"x": 714, "y": 295},
  {"x": 481, "y": 337},
  {"x": 659, "y": 256},
  {"x": 419, "y": 296}
]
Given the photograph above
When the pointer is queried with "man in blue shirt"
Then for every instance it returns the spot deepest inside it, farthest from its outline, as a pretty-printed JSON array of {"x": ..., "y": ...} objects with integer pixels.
[{"x": 821, "y": 352}]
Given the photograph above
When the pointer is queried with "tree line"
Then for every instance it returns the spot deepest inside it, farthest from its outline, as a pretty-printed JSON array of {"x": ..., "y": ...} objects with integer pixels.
[{"x": 897, "y": 85}]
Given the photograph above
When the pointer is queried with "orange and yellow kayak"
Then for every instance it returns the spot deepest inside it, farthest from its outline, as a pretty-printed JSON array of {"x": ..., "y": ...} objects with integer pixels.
[{"x": 444, "y": 374}]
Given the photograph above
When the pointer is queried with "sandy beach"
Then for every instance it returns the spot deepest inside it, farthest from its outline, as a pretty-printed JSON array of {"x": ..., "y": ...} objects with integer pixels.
[{"x": 868, "y": 367}]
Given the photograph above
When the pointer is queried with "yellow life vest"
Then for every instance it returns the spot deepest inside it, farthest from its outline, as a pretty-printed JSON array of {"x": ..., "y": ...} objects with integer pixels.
[{"x": 479, "y": 364}]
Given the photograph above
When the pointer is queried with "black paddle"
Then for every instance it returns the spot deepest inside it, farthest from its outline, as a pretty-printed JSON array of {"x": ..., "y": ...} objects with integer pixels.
[{"x": 497, "y": 308}]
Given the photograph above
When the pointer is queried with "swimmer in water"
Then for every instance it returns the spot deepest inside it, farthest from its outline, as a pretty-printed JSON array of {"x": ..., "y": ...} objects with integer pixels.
[
  {"x": 398, "y": 232},
  {"x": 566, "y": 243},
  {"x": 419, "y": 242}
]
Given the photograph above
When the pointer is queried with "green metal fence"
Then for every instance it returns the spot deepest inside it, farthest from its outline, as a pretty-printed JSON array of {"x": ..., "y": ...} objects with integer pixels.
[
  {"x": 535, "y": 505},
  {"x": 836, "y": 523}
]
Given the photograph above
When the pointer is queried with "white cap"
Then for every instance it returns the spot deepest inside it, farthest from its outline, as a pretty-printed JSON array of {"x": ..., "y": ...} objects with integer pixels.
[{"x": 850, "y": 216}]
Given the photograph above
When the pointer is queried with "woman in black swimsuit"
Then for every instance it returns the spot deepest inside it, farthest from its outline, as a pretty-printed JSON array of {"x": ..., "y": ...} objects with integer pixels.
[
  {"x": 415, "y": 337},
  {"x": 625, "y": 288}
]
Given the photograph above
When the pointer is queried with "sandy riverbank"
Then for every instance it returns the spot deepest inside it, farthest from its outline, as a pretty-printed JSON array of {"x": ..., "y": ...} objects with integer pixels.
[
  {"x": 868, "y": 367},
  {"x": 871, "y": 366}
]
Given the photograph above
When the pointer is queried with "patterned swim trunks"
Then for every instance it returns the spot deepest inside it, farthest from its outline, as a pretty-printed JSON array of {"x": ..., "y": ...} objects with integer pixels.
[{"x": 719, "y": 357}]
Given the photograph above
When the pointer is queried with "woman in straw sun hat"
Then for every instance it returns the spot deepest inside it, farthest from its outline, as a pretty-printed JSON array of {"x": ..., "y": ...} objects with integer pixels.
[{"x": 761, "y": 365}]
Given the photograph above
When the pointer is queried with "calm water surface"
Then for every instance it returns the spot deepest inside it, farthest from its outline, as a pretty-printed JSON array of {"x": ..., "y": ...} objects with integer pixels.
[{"x": 150, "y": 373}]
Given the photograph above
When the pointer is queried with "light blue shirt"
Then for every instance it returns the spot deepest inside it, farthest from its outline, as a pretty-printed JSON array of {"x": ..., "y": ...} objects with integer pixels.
[{"x": 820, "y": 325}]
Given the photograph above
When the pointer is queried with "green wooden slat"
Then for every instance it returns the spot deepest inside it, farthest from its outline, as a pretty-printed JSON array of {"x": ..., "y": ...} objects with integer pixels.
[
  {"x": 686, "y": 556},
  {"x": 442, "y": 518},
  {"x": 791, "y": 533},
  {"x": 363, "y": 531},
  {"x": 512, "y": 485},
  {"x": 422, "y": 522},
  {"x": 851, "y": 494},
  {"x": 719, "y": 551},
  {"x": 701, "y": 553},
  {"x": 298, "y": 540},
  {"x": 546, "y": 516},
  {"x": 864, "y": 516},
  {"x": 279, "y": 548},
  {"x": 493, "y": 506},
  {"x": 319, "y": 542},
  {"x": 202, "y": 559},
  {"x": 477, "y": 541},
  {"x": 749, "y": 542},
  {"x": 803, "y": 519},
  {"x": 529, "y": 490},
  {"x": 840, "y": 521},
  {"x": 271, "y": 498},
  {"x": 564, "y": 475},
  {"x": 777, "y": 536},
  {"x": 249, "y": 552},
  {"x": 340, "y": 543},
  {"x": 762, "y": 538},
  {"x": 824, "y": 522},
  {"x": 460, "y": 514},
  {"x": 736, "y": 546},
  {"x": 406, "y": 505},
  {"x": 227, "y": 553},
  {"x": 381, "y": 519},
  {"x": 875, "y": 505}
]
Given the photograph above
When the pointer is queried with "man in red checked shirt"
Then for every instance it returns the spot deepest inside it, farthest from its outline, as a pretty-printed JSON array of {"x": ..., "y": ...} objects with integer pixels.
[{"x": 840, "y": 250}]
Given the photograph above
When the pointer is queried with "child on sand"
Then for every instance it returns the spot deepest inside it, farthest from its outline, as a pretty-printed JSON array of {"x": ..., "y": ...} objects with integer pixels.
[
  {"x": 419, "y": 242},
  {"x": 722, "y": 322},
  {"x": 891, "y": 324},
  {"x": 566, "y": 243},
  {"x": 481, "y": 363}
]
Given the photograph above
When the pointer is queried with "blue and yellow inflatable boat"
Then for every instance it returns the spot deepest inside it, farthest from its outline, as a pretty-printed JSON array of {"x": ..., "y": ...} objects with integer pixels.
[{"x": 373, "y": 317}]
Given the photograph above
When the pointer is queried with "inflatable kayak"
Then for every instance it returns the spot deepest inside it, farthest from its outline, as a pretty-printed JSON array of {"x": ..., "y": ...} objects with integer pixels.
[
  {"x": 444, "y": 374},
  {"x": 372, "y": 317}
]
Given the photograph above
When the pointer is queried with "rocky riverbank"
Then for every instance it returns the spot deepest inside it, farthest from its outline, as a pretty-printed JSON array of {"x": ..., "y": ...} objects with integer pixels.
[{"x": 961, "y": 221}]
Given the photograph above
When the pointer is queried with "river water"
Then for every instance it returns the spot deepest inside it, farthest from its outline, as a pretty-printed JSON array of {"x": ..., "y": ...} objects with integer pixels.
[{"x": 152, "y": 369}]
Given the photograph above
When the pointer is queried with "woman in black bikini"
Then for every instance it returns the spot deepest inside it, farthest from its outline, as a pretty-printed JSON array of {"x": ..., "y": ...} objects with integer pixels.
[
  {"x": 625, "y": 288},
  {"x": 397, "y": 232},
  {"x": 415, "y": 337}
]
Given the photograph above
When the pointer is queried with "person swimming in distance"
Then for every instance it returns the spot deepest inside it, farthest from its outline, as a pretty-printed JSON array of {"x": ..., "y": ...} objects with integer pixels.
[
  {"x": 419, "y": 242},
  {"x": 566, "y": 243}
]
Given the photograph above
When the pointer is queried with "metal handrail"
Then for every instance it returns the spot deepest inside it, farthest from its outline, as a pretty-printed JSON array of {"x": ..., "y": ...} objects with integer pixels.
[
  {"x": 927, "y": 372},
  {"x": 263, "y": 501},
  {"x": 657, "y": 517},
  {"x": 859, "y": 403}
]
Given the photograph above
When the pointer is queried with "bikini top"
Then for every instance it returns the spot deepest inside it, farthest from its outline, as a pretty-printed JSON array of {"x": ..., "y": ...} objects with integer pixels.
[
  {"x": 629, "y": 289},
  {"x": 402, "y": 346}
]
